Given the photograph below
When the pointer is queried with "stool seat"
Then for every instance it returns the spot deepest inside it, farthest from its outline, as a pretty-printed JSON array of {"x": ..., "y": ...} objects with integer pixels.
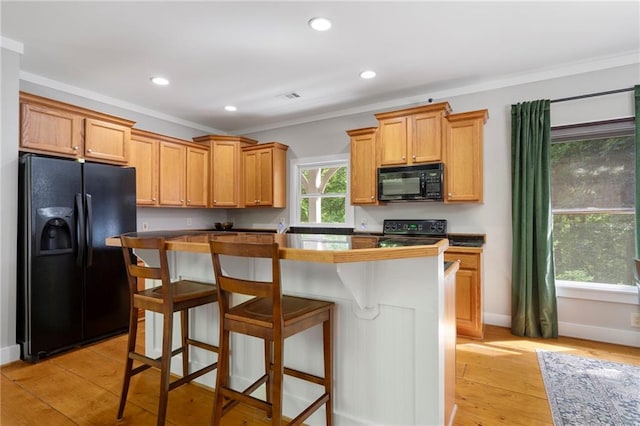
[{"x": 273, "y": 317}]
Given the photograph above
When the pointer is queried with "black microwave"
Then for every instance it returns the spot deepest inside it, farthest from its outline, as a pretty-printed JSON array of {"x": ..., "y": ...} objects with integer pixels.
[{"x": 411, "y": 183}]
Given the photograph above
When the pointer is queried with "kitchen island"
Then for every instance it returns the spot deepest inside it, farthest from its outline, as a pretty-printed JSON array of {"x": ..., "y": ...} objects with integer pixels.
[{"x": 394, "y": 326}]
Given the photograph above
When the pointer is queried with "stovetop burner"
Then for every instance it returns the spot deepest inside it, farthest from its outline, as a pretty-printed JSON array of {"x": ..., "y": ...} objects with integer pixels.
[{"x": 419, "y": 227}]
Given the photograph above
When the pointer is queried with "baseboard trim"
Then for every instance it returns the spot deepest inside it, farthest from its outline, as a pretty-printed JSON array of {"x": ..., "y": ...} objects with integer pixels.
[
  {"x": 579, "y": 331},
  {"x": 9, "y": 354}
]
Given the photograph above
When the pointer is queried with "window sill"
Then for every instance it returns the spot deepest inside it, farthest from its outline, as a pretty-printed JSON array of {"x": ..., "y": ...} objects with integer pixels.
[{"x": 600, "y": 292}]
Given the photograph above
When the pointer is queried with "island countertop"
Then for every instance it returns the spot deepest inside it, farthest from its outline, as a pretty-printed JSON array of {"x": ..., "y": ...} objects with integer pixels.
[{"x": 327, "y": 248}]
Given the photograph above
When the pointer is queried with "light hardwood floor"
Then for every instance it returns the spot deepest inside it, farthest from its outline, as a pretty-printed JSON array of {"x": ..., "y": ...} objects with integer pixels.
[{"x": 498, "y": 383}]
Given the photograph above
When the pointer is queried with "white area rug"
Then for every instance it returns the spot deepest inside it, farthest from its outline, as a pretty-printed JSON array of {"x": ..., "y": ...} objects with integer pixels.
[{"x": 585, "y": 392}]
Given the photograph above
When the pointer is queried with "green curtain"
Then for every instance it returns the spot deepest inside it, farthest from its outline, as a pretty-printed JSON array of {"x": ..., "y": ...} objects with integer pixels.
[
  {"x": 533, "y": 291},
  {"x": 636, "y": 91}
]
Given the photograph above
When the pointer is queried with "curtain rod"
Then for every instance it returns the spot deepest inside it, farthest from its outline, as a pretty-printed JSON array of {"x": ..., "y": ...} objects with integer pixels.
[{"x": 590, "y": 95}]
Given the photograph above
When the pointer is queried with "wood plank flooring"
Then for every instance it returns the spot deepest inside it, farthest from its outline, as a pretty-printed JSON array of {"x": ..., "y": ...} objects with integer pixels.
[{"x": 498, "y": 383}]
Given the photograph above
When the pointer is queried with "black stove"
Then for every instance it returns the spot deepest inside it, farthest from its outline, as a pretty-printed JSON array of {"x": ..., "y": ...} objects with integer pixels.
[{"x": 436, "y": 228}]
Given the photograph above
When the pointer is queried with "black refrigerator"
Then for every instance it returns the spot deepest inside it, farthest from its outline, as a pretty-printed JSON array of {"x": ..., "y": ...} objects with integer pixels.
[{"x": 72, "y": 288}]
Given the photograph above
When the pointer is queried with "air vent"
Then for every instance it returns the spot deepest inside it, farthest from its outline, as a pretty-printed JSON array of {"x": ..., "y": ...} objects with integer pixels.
[{"x": 291, "y": 95}]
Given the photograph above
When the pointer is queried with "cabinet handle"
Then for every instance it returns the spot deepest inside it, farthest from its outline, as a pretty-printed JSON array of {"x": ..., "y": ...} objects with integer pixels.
[
  {"x": 153, "y": 199},
  {"x": 188, "y": 201},
  {"x": 449, "y": 194},
  {"x": 75, "y": 148},
  {"x": 89, "y": 150},
  {"x": 214, "y": 201},
  {"x": 404, "y": 158},
  {"x": 413, "y": 156}
]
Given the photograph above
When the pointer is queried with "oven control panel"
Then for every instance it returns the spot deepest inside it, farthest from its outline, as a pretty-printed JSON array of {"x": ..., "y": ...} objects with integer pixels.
[{"x": 426, "y": 227}]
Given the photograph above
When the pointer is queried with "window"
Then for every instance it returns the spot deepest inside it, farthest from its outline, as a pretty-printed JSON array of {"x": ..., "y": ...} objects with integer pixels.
[
  {"x": 593, "y": 202},
  {"x": 321, "y": 191}
]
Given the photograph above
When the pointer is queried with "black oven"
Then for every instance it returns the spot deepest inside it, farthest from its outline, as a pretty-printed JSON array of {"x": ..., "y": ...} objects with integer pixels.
[{"x": 411, "y": 183}]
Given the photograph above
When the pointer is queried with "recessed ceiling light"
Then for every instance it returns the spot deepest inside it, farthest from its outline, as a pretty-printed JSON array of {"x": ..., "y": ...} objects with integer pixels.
[
  {"x": 160, "y": 81},
  {"x": 320, "y": 24},
  {"x": 230, "y": 108},
  {"x": 368, "y": 74}
]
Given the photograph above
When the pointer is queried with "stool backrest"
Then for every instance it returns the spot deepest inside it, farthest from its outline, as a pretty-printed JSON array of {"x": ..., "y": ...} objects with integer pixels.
[
  {"x": 228, "y": 284},
  {"x": 135, "y": 271}
]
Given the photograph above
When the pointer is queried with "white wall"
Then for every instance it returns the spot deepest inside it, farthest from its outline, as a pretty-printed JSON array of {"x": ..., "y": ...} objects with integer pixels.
[
  {"x": 606, "y": 321},
  {"x": 10, "y": 67}
]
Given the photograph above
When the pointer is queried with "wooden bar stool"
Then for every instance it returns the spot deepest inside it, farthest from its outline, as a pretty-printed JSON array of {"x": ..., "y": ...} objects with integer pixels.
[
  {"x": 272, "y": 317},
  {"x": 166, "y": 299}
]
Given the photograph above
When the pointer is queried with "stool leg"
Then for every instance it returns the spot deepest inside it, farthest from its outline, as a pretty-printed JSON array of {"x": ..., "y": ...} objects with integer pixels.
[
  {"x": 165, "y": 366},
  {"x": 222, "y": 376},
  {"x": 184, "y": 322},
  {"x": 327, "y": 337},
  {"x": 278, "y": 376},
  {"x": 131, "y": 347},
  {"x": 268, "y": 351}
]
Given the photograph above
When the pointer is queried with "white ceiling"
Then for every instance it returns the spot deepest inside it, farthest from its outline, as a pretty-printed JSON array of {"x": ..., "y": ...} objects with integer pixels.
[{"x": 250, "y": 54}]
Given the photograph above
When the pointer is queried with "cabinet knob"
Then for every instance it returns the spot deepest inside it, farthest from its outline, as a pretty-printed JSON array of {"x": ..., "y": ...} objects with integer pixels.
[
  {"x": 153, "y": 199},
  {"x": 75, "y": 148},
  {"x": 413, "y": 156},
  {"x": 89, "y": 150},
  {"x": 188, "y": 201},
  {"x": 372, "y": 197},
  {"x": 449, "y": 194},
  {"x": 214, "y": 201},
  {"x": 182, "y": 201},
  {"x": 404, "y": 158}
]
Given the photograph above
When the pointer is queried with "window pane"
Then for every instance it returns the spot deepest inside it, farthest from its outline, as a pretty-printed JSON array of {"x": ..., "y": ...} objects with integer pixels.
[
  {"x": 596, "y": 173},
  {"x": 594, "y": 247},
  {"x": 323, "y": 210},
  {"x": 593, "y": 203},
  {"x": 323, "y": 180}
]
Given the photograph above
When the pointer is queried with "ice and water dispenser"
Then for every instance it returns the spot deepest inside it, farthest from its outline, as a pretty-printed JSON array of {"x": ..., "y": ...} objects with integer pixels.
[{"x": 54, "y": 230}]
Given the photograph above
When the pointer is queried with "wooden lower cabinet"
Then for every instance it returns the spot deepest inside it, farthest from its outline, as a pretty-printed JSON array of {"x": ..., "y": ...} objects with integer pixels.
[{"x": 468, "y": 292}]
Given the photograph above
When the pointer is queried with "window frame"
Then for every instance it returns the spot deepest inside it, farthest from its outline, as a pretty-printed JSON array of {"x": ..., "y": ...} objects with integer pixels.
[
  {"x": 605, "y": 292},
  {"x": 296, "y": 164}
]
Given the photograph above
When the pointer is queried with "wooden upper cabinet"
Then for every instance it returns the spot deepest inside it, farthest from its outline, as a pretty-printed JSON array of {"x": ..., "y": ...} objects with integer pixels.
[
  {"x": 463, "y": 156},
  {"x": 364, "y": 187},
  {"x": 143, "y": 155},
  {"x": 197, "y": 177},
  {"x": 227, "y": 176},
  {"x": 46, "y": 129},
  {"x": 56, "y": 128},
  {"x": 108, "y": 142},
  {"x": 265, "y": 174},
  {"x": 412, "y": 135},
  {"x": 173, "y": 169}
]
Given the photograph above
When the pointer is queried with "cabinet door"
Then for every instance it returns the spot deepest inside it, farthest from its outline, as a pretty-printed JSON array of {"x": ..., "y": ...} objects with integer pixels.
[
  {"x": 197, "y": 177},
  {"x": 108, "y": 142},
  {"x": 251, "y": 178},
  {"x": 265, "y": 180},
  {"x": 144, "y": 157},
  {"x": 426, "y": 137},
  {"x": 225, "y": 170},
  {"x": 172, "y": 174},
  {"x": 47, "y": 130},
  {"x": 363, "y": 168},
  {"x": 393, "y": 141},
  {"x": 468, "y": 294},
  {"x": 464, "y": 165}
]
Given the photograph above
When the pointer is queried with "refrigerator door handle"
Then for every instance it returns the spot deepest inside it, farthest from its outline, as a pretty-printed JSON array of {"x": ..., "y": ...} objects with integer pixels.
[
  {"x": 80, "y": 230},
  {"x": 89, "y": 230}
]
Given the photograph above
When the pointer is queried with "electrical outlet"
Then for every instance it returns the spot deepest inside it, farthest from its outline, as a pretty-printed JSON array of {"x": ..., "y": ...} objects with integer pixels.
[
  {"x": 145, "y": 226},
  {"x": 188, "y": 221},
  {"x": 635, "y": 319}
]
